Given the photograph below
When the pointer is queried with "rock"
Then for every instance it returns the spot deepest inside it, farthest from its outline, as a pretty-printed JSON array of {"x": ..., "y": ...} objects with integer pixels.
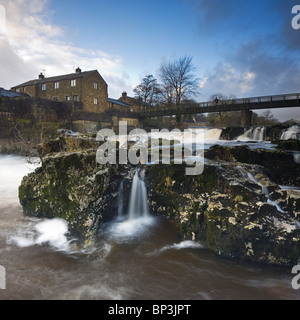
[
  {"x": 290, "y": 144},
  {"x": 74, "y": 187},
  {"x": 281, "y": 165},
  {"x": 231, "y": 133},
  {"x": 227, "y": 211}
]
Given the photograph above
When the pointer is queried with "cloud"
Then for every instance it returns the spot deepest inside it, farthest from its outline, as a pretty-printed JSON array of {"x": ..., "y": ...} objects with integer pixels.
[
  {"x": 32, "y": 44},
  {"x": 254, "y": 71}
]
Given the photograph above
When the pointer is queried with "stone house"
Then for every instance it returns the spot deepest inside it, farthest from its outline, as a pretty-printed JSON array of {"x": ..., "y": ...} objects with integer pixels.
[
  {"x": 136, "y": 105},
  {"x": 87, "y": 87}
]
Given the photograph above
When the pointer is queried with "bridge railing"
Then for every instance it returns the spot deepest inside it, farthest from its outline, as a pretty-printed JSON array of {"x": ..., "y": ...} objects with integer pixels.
[{"x": 238, "y": 101}]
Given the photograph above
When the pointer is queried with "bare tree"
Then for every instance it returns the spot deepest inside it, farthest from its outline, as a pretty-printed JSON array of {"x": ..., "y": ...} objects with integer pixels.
[
  {"x": 179, "y": 76},
  {"x": 148, "y": 90}
]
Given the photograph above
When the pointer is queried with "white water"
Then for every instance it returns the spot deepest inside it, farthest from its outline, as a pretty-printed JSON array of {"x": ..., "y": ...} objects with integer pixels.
[
  {"x": 137, "y": 220},
  {"x": 253, "y": 134},
  {"x": 181, "y": 245},
  {"x": 138, "y": 207},
  {"x": 11, "y": 179},
  {"x": 291, "y": 133},
  {"x": 53, "y": 232},
  {"x": 121, "y": 200},
  {"x": 297, "y": 157}
]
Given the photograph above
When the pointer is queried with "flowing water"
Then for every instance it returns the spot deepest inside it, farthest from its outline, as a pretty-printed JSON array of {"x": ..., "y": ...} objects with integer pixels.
[
  {"x": 291, "y": 133},
  {"x": 136, "y": 256},
  {"x": 253, "y": 134}
]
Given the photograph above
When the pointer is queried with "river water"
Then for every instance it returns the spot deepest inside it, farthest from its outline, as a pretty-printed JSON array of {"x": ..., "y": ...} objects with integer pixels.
[{"x": 137, "y": 259}]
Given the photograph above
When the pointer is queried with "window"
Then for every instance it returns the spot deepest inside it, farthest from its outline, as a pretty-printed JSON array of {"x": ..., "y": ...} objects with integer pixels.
[
  {"x": 17, "y": 90},
  {"x": 73, "y": 83},
  {"x": 76, "y": 98},
  {"x": 56, "y": 85},
  {"x": 96, "y": 101},
  {"x": 96, "y": 85},
  {"x": 55, "y": 98},
  {"x": 44, "y": 87},
  {"x": 68, "y": 98}
]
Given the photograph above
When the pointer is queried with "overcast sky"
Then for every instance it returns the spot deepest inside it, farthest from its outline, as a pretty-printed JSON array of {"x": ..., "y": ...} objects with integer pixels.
[{"x": 241, "y": 47}]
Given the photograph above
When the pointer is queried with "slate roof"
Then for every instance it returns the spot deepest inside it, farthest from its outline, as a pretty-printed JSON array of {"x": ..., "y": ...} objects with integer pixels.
[
  {"x": 70, "y": 76},
  {"x": 121, "y": 103},
  {"x": 11, "y": 94}
]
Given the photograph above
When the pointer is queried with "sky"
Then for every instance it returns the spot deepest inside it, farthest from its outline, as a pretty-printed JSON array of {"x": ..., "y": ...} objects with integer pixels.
[{"x": 240, "y": 47}]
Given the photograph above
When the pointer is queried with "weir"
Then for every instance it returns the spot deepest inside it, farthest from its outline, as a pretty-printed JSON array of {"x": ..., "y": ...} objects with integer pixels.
[{"x": 254, "y": 134}]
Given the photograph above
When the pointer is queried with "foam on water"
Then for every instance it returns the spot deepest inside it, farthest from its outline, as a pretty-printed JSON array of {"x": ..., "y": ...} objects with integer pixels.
[
  {"x": 297, "y": 157},
  {"x": 12, "y": 171},
  {"x": 186, "y": 244},
  {"x": 52, "y": 232},
  {"x": 128, "y": 229}
]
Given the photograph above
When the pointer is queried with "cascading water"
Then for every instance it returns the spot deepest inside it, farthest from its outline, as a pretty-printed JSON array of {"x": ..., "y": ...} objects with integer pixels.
[
  {"x": 254, "y": 134},
  {"x": 136, "y": 220},
  {"x": 292, "y": 133},
  {"x": 138, "y": 206},
  {"x": 121, "y": 200}
]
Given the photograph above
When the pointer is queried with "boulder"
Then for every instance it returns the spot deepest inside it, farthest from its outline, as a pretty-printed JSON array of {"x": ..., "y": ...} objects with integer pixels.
[{"x": 228, "y": 212}]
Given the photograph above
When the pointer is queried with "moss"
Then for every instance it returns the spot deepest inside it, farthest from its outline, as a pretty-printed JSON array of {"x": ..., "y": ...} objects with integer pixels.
[
  {"x": 291, "y": 144},
  {"x": 238, "y": 198}
]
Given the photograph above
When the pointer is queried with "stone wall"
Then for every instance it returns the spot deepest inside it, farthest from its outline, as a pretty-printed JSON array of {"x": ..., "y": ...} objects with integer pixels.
[{"x": 90, "y": 93}]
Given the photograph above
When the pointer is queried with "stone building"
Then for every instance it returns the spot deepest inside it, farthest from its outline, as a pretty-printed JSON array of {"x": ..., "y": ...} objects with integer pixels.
[
  {"x": 87, "y": 87},
  {"x": 136, "y": 105}
]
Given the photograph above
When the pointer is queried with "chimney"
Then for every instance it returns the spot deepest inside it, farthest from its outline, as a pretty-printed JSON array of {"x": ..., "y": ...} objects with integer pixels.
[
  {"x": 78, "y": 70},
  {"x": 124, "y": 96},
  {"x": 41, "y": 76}
]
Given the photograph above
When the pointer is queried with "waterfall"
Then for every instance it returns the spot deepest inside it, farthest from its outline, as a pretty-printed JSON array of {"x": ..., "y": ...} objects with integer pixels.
[
  {"x": 121, "y": 200},
  {"x": 291, "y": 133},
  {"x": 213, "y": 134},
  {"x": 136, "y": 220},
  {"x": 297, "y": 157},
  {"x": 253, "y": 134},
  {"x": 138, "y": 206}
]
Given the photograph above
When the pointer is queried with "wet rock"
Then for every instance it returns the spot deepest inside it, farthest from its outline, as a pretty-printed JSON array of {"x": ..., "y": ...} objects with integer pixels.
[
  {"x": 228, "y": 212},
  {"x": 281, "y": 165},
  {"x": 290, "y": 144},
  {"x": 71, "y": 185}
]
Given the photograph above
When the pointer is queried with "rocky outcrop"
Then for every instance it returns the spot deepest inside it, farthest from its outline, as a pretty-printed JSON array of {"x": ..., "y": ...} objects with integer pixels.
[
  {"x": 281, "y": 164},
  {"x": 229, "y": 210},
  {"x": 70, "y": 184},
  {"x": 235, "y": 208}
]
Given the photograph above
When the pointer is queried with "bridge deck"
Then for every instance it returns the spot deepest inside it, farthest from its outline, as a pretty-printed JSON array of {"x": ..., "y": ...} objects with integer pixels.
[{"x": 265, "y": 102}]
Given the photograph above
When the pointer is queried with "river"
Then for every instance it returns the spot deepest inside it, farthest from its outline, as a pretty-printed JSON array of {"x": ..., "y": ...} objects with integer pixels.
[{"x": 137, "y": 259}]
